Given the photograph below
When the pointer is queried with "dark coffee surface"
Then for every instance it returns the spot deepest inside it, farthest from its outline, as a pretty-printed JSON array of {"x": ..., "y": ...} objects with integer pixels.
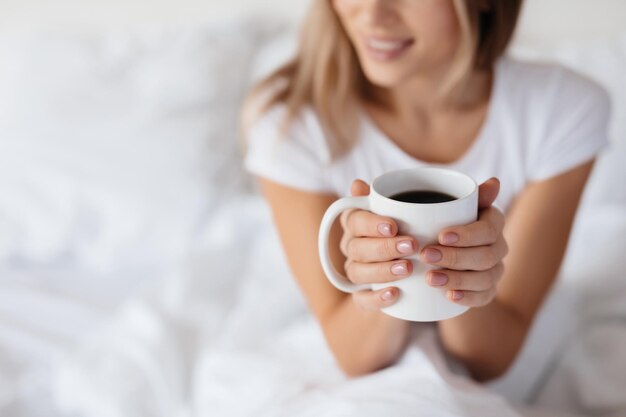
[{"x": 422, "y": 197}]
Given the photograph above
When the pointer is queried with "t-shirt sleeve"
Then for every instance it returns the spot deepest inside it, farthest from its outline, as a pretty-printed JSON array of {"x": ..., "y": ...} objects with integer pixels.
[
  {"x": 295, "y": 158},
  {"x": 575, "y": 128}
]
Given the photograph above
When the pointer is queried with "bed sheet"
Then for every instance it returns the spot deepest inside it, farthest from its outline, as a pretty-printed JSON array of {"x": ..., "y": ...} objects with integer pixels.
[
  {"x": 229, "y": 323},
  {"x": 235, "y": 339},
  {"x": 44, "y": 313},
  {"x": 217, "y": 332}
]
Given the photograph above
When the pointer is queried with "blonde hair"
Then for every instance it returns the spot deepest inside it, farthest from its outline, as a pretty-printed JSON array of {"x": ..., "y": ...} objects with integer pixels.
[{"x": 326, "y": 74}]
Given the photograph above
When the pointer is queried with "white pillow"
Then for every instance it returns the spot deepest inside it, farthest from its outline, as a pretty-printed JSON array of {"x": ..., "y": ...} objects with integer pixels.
[{"x": 115, "y": 148}]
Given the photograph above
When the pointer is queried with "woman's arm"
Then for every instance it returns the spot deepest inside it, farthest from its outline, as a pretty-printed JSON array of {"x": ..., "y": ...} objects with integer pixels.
[
  {"x": 362, "y": 341},
  {"x": 487, "y": 339}
]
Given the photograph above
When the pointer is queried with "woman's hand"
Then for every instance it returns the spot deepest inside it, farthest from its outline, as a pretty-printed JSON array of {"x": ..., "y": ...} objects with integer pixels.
[{"x": 470, "y": 256}]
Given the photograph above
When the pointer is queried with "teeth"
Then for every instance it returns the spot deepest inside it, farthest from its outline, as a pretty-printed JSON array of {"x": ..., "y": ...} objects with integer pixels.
[{"x": 386, "y": 46}]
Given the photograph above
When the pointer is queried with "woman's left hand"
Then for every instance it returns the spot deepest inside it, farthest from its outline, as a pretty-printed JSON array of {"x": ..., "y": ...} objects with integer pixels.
[{"x": 471, "y": 255}]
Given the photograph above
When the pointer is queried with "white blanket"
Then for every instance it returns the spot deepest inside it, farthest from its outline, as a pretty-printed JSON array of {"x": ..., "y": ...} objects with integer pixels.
[{"x": 228, "y": 334}]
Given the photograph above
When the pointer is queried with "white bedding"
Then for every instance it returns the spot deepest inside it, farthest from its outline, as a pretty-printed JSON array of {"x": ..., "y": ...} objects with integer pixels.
[
  {"x": 44, "y": 313},
  {"x": 196, "y": 347},
  {"x": 227, "y": 333}
]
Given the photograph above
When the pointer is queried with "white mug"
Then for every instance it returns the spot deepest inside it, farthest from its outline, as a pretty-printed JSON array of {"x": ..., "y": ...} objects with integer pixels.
[{"x": 417, "y": 301}]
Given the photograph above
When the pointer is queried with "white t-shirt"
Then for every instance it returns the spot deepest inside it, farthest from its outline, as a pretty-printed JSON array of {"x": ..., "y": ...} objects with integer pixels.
[{"x": 542, "y": 120}]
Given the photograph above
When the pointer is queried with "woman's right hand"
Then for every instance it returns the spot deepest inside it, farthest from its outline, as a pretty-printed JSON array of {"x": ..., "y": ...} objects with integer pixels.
[{"x": 373, "y": 251}]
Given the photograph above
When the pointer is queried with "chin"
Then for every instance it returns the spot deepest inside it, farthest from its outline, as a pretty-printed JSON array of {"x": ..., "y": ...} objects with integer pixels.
[{"x": 386, "y": 78}]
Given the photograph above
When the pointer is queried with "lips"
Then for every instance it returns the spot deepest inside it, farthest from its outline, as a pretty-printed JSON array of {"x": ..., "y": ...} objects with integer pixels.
[{"x": 387, "y": 48}]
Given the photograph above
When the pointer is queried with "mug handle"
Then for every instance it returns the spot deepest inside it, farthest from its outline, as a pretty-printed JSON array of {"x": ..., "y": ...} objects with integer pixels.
[{"x": 334, "y": 210}]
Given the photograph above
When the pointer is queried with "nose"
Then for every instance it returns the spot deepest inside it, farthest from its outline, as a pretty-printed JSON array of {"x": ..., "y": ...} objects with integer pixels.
[{"x": 379, "y": 12}]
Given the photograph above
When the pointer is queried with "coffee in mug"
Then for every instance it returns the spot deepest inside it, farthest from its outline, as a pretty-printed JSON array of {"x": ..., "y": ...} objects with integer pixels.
[{"x": 422, "y": 197}]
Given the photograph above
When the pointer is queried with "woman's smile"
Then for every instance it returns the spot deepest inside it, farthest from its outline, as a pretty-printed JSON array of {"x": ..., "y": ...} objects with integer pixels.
[{"x": 386, "y": 49}]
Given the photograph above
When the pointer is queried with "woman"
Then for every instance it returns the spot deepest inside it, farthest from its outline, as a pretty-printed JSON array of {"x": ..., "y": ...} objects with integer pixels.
[{"x": 379, "y": 85}]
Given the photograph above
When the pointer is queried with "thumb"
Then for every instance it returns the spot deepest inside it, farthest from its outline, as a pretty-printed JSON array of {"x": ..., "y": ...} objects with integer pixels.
[
  {"x": 487, "y": 192},
  {"x": 359, "y": 188}
]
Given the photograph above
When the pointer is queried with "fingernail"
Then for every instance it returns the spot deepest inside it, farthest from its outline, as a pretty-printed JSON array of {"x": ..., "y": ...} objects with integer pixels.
[
  {"x": 432, "y": 255},
  {"x": 438, "y": 279},
  {"x": 387, "y": 295},
  {"x": 385, "y": 229},
  {"x": 449, "y": 239},
  {"x": 399, "y": 268},
  {"x": 455, "y": 295},
  {"x": 405, "y": 246}
]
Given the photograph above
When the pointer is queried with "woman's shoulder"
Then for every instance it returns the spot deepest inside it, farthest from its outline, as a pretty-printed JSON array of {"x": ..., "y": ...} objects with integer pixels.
[
  {"x": 276, "y": 118},
  {"x": 549, "y": 82},
  {"x": 561, "y": 116},
  {"x": 273, "y": 128}
]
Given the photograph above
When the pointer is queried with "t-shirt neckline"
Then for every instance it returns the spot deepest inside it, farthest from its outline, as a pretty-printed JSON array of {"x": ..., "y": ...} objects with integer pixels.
[{"x": 378, "y": 135}]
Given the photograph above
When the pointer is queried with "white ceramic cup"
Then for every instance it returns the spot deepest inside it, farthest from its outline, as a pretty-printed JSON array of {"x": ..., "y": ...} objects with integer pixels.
[{"x": 418, "y": 301}]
